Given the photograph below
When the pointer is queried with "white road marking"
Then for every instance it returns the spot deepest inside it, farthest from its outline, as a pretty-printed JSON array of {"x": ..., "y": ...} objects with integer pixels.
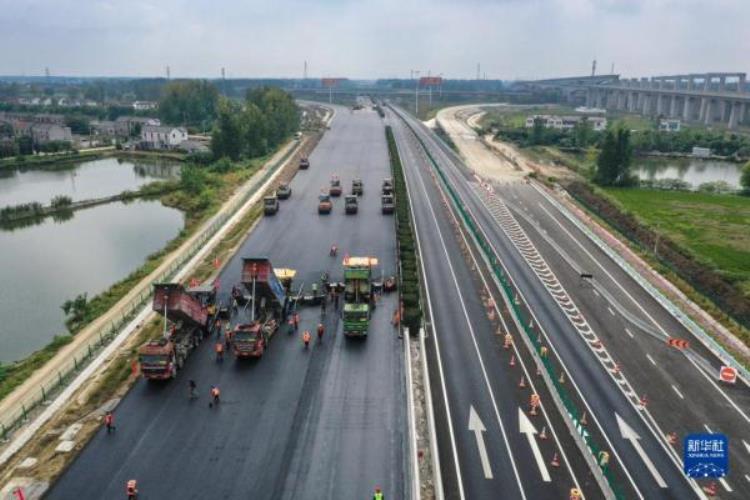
[
  {"x": 651, "y": 359},
  {"x": 747, "y": 478},
  {"x": 747, "y": 446},
  {"x": 629, "y": 434},
  {"x": 629, "y": 333},
  {"x": 458, "y": 289},
  {"x": 610, "y": 311},
  {"x": 477, "y": 427},
  {"x": 596, "y": 293},
  {"x": 708, "y": 429},
  {"x": 678, "y": 392},
  {"x": 526, "y": 427},
  {"x": 643, "y": 310}
]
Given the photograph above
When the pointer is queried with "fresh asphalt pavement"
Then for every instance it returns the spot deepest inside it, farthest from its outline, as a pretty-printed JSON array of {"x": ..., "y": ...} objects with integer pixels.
[
  {"x": 470, "y": 371},
  {"x": 328, "y": 422},
  {"x": 684, "y": 397},
  {"x": 604, "y": 398}
]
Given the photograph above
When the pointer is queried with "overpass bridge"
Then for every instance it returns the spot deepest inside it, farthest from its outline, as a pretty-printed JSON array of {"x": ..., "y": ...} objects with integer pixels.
[{"x": 709, "y": 98}]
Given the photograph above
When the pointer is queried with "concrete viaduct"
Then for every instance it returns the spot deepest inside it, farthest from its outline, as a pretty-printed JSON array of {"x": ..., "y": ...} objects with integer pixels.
[{"x": 708, "y": 97}]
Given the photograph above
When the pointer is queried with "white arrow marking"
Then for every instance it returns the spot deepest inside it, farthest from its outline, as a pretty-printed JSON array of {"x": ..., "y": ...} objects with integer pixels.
[
  {"x": 629, "y": 434},
  {"x": 747, "y": 446},
  {"x": 477, "y": 427},
  {"x": 526, "y": 427}
]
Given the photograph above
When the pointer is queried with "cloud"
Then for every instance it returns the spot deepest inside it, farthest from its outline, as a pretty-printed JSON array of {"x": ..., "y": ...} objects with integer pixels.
[{"x": 371, "y": 38}]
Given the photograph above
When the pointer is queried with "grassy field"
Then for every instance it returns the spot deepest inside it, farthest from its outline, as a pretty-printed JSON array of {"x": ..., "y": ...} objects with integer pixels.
[{"x": 715, "y": 228}]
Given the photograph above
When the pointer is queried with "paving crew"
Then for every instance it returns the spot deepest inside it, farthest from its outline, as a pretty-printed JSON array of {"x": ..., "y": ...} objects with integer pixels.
[
  {"x": 378, "y": 494},
  {"x": 131, "y": 488},
  {"x": 306, "y": 338},
  {"x": 321, "y": 331},
  {"x": 109, "y": 422}
]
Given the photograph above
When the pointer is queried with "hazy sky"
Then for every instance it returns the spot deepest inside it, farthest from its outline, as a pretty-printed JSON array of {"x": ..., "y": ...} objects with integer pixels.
[{"x": 372, "y": 38}]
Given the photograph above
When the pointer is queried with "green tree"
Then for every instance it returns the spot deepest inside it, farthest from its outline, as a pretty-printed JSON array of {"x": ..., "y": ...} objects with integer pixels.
[
  {"x": 79, "y": 124},
  {"x": 192, "y": 179},
  {"x": 537, "y": 131},
  {"x": 745, "y": 178},
  {"x": 282, "y": 114},
  {"x": 226, "y": 138},
  {"x": 583, "y": 134},
  {"x": 189, "y": 102},
  {"x": 254, "y": 130},
  {"x": 613, "y": 163}
]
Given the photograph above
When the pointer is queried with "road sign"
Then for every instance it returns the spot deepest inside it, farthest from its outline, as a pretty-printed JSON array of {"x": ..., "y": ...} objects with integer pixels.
[
  {"x": 706, "y": 455},
  {"x": 427, "y": 81},
  {"x": 330, "y": 82},
  {"x": 678, "y": 343},
  {"x": 728, "y": 374}
]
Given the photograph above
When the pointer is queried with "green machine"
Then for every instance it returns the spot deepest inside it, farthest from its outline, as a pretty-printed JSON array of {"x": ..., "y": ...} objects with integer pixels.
[{"x": 357, "y": 294}]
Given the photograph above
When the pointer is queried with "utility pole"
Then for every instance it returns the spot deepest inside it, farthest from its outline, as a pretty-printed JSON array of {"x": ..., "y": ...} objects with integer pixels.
[
  {"x": 168, "y": 75},
  {"x": 612, "y": 71},
  {"x": 416, "y": 72},
  {"x": 224, "y": 80},
  {"x": 304, "y": 73},
  {"x": 478, "y": 70},
  {"x": 593, "y": 68}
]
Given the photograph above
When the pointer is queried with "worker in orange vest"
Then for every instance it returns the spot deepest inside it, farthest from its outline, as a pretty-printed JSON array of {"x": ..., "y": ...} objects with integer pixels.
[
  {"x": 215, "y": 393},
  {"x": 306, "y": 338},
  {"x": 219, "y": 351},
  {"x": 131, "y": 488},
  {"x": 321, "y": 331},
  {"x": 109, "y": 422},
  {"x": 295, "y": 319}
]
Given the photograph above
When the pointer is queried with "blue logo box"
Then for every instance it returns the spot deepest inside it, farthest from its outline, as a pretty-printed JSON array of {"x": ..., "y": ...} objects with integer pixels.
[{"x": 706, "y": 455}]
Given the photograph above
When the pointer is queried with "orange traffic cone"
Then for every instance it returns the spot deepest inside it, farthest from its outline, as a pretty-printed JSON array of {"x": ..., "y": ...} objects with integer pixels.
[
  {"x": 644, "y": 400},
  {"x": 562, "y": 378},
  {"x": 555, "y": 461},
  {"x": 512, "y": 360},
  {"x": 543, "y": 434},
  {"x": 616, "y": 368},
  {"x": 522, "y": 382}
]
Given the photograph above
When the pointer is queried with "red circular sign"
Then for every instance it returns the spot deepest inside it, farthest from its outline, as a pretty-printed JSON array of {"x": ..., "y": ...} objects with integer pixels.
[{"x": 728, "y": 374}]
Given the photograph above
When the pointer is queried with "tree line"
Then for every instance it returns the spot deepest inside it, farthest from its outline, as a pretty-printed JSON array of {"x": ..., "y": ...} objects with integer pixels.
[{"x": 254, "y": 127}]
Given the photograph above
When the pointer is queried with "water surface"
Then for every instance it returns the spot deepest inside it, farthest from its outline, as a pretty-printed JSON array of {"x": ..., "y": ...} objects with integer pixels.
[{"x": 691, "y": 170}]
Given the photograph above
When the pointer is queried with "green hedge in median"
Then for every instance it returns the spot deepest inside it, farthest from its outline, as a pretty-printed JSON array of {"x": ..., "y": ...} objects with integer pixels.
[{"x": 409, "y": 276}]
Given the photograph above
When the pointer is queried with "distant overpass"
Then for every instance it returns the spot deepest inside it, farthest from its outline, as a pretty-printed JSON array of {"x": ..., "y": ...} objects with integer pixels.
[{"x": 708, "y": 98}]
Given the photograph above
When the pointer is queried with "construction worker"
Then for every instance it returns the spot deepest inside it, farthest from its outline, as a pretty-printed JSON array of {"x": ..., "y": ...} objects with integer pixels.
[
  {"x": 131, "y": 488},
  {"x": 321, "y": 331},
  {"x": 215, "y": 393},
  {"x": 334, "y": 251},
  {"x": 228, "y": 337},
  {"x": 295, "y": 318},
  {"x": 306, "y": 338},
  {"x": 219, "y": 351},
  {"x": 378, "y": 494},
  {"x": 109, "y": 422},
  {"x": 335, "y": 298},
  {"x": 191, "y": 389}
]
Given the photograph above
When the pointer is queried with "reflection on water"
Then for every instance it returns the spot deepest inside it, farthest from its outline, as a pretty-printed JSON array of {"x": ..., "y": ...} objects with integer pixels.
[
  {"x": 44, "y": 265},
  {"x": 82, "y": 181},
  {"x": 693, "y": 171}
]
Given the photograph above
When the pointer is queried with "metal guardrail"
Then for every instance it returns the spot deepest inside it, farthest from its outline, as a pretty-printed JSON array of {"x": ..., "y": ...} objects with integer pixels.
[
  {"x": 12, "y": 421},
  {"x": 710, "y": 343},
  {"x": 562, "y": 393}
]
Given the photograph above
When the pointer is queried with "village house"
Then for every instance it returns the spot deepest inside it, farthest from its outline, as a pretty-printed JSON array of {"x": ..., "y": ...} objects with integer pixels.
[{"x": 162, "y": 137}]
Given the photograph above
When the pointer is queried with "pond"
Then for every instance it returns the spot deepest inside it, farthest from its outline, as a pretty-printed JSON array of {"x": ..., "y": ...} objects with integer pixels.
[
  {"x": 691, "y": 170},
  {"x": 81, "y": 181},
  {"x": 45, "y": 263}
]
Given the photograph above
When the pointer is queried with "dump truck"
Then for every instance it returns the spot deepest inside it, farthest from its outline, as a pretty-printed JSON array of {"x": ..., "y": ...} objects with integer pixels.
[
  {"x": 284, "y": 191},
  {"x": 388, "y": 186},
  {"x": 270, "y": 205},
  {"x": 387, "y": 204},
  {"x": 324, "y": 204},
  {"x": 358, "y": 299},
  {"x": 357, "y": 187},
  {"x": 350, "y": 204},
  {"x": 187, "y": 312},
  {"x": 266, "y": 308},
  {"x": 335, "y": 189},
  {"x": 304, "y": 163}
]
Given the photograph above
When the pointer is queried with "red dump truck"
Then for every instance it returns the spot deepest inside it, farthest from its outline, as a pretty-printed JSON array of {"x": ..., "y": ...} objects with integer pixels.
[
  {"x": 266, "y": 307},
  {"x": 186, "y": 321}
]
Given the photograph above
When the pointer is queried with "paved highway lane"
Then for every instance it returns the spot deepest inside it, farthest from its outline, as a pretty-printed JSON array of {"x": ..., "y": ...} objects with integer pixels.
[
  {"x": 325, "y": 423},
  {"x": 483, "y": 453},
  {"x": 656, "y": 475},
  {"x": 684, "y": 397}
]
